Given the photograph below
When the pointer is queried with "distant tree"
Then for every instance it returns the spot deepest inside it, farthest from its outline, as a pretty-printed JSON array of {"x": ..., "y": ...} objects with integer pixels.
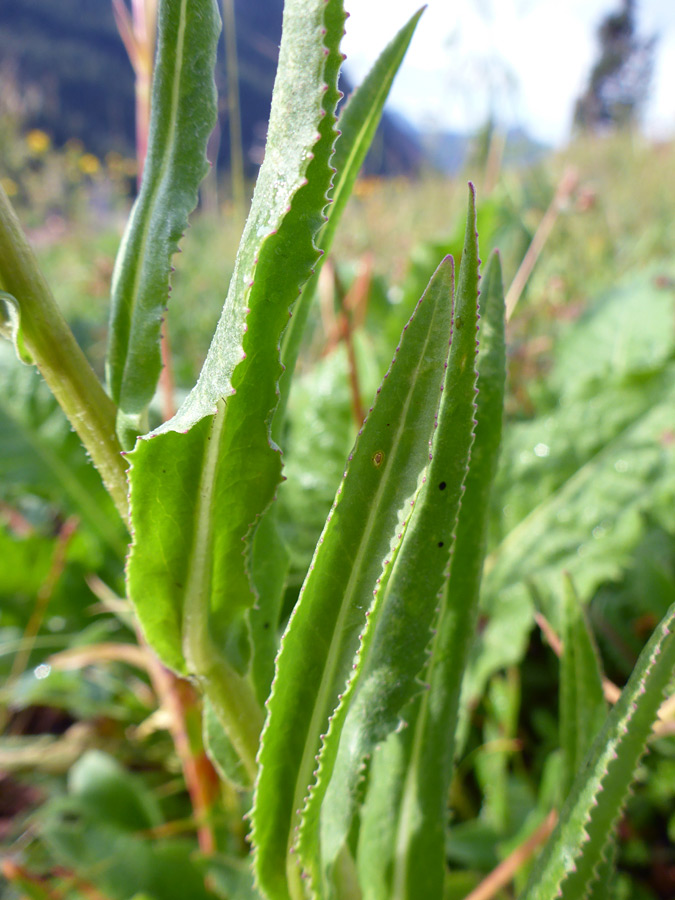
[{"x": 620, "y": 79}]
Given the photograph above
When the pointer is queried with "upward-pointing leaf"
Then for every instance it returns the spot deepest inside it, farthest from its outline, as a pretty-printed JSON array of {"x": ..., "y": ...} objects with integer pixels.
[
  {"x": 357, "y": 123},
  {"x": 359, "y": 542},
  {"x": 582, "y": 703},
  {"x": 183, "y": 116},
  {"x": 582, "y": 707},
  {"x": 200, "y": 482},
  {"x": 588, "y": 818},
  {"x": 401, "y": 853},
  {"x": 394, "y": 643}
]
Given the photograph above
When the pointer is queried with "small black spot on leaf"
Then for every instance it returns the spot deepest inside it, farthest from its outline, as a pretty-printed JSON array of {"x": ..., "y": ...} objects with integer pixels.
[{"x": 442, "y": 486}]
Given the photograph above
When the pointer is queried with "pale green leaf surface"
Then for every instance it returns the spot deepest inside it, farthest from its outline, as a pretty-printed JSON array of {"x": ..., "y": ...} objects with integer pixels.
[
  {"x": 182, "y": 118},
  {"x": 401, "y": 851},
  {"x": 269, "y": 565},
  {"x": 582, "y": 708},
  {"x": 199, "y": 483},
  {"x": 588, "y": 818},
  {"x": 357, "y": 123},
  {"x": 363, "y": 530},
  {"x": 394, "y": 643}
]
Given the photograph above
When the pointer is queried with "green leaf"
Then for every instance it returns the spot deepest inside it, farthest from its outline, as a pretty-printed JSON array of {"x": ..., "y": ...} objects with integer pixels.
[
  {"x": 201, "y": 481},
  {"x": 111, "y": 793},
  {"x": 358, "y": 123},
  {"x": 582, "y": 708},
  {"x": 577, "y": 498},
  {"x": 582, "y": 703},
  {"x": 363, "y": 531},
  {"x": 587, "y": 821},
  {"x": 41, "y": 456},
  {"x": 394, "y": 642},
  {"x": 182, "y": 118},
  {"x": 401, "y": 847}
]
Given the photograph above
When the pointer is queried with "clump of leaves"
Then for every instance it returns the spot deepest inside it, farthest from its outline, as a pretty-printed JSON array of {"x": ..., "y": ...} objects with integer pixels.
[{"x": 345, "y": 729}]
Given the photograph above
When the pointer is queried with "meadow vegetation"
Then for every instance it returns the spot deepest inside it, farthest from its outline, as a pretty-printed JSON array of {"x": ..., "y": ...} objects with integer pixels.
[{"x": 109, "y": 790}]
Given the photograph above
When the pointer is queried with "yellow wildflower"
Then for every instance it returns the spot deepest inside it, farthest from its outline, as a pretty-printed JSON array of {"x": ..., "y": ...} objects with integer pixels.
[
  {"x": 89, "y": 164},
  {"x": 38, "y": 142}
]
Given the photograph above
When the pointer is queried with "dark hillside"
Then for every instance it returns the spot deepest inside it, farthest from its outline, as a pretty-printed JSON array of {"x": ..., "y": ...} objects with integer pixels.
[{"x": 69, "y": 63}]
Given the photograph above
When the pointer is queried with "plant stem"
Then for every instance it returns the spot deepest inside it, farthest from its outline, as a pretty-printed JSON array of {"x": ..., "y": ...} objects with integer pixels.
[
  {"x": 59, "y": 358},
  {"x": 568, "y": 183},
  {"x": 506, "y": 870},
  {"x": 233, "y": 108},
  {"x": 237, "y": 709}
]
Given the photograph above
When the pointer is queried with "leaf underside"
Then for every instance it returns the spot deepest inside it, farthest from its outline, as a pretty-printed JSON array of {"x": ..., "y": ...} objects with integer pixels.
[
  {"x": 199, "y": 483},
  {"x": 183, "y": 116}
]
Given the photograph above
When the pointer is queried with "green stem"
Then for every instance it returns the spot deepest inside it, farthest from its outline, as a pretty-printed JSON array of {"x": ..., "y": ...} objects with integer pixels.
[
  {"x": 235, "y": 705},
  {"x": 234, "y": 112},
  {"x": 59, "y": 358}
]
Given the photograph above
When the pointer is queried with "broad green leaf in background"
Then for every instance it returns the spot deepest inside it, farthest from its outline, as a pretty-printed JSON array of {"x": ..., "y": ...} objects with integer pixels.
[
  {"x": 40, "y": 456},
  {"x": 182, "y": 118},
  {"x": 96, "y": 831},
  {"x": 395, "y": 640},
  {"x": 401, "y": 844},
  {"x": 200, "y": 482},
  {"x": 362, "y": 534},
  {"x": 577, "y": 498},
  {"x": 587, "y": 821}
]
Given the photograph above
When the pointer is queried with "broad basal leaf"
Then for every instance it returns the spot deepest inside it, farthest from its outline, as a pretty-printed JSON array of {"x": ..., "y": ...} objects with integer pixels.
[
  {"x": 363, "y": 531},
  {"x": 183, "y": 116}
]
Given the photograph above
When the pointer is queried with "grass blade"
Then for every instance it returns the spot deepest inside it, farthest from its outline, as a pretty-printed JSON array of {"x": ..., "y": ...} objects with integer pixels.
[
  {"x": 361, "y": 536},
  {"x": 183, "y": 116}
]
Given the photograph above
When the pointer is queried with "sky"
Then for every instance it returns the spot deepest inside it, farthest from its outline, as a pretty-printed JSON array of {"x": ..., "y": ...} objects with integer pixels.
[{"x": 527, "y": 59}]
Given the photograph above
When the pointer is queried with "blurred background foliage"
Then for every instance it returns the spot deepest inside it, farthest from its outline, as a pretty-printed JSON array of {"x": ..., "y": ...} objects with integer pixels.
[{"x": 105, "y": 791}]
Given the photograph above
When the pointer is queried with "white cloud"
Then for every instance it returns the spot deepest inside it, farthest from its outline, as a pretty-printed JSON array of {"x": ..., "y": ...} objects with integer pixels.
[{"x": 527, "y": 59}]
